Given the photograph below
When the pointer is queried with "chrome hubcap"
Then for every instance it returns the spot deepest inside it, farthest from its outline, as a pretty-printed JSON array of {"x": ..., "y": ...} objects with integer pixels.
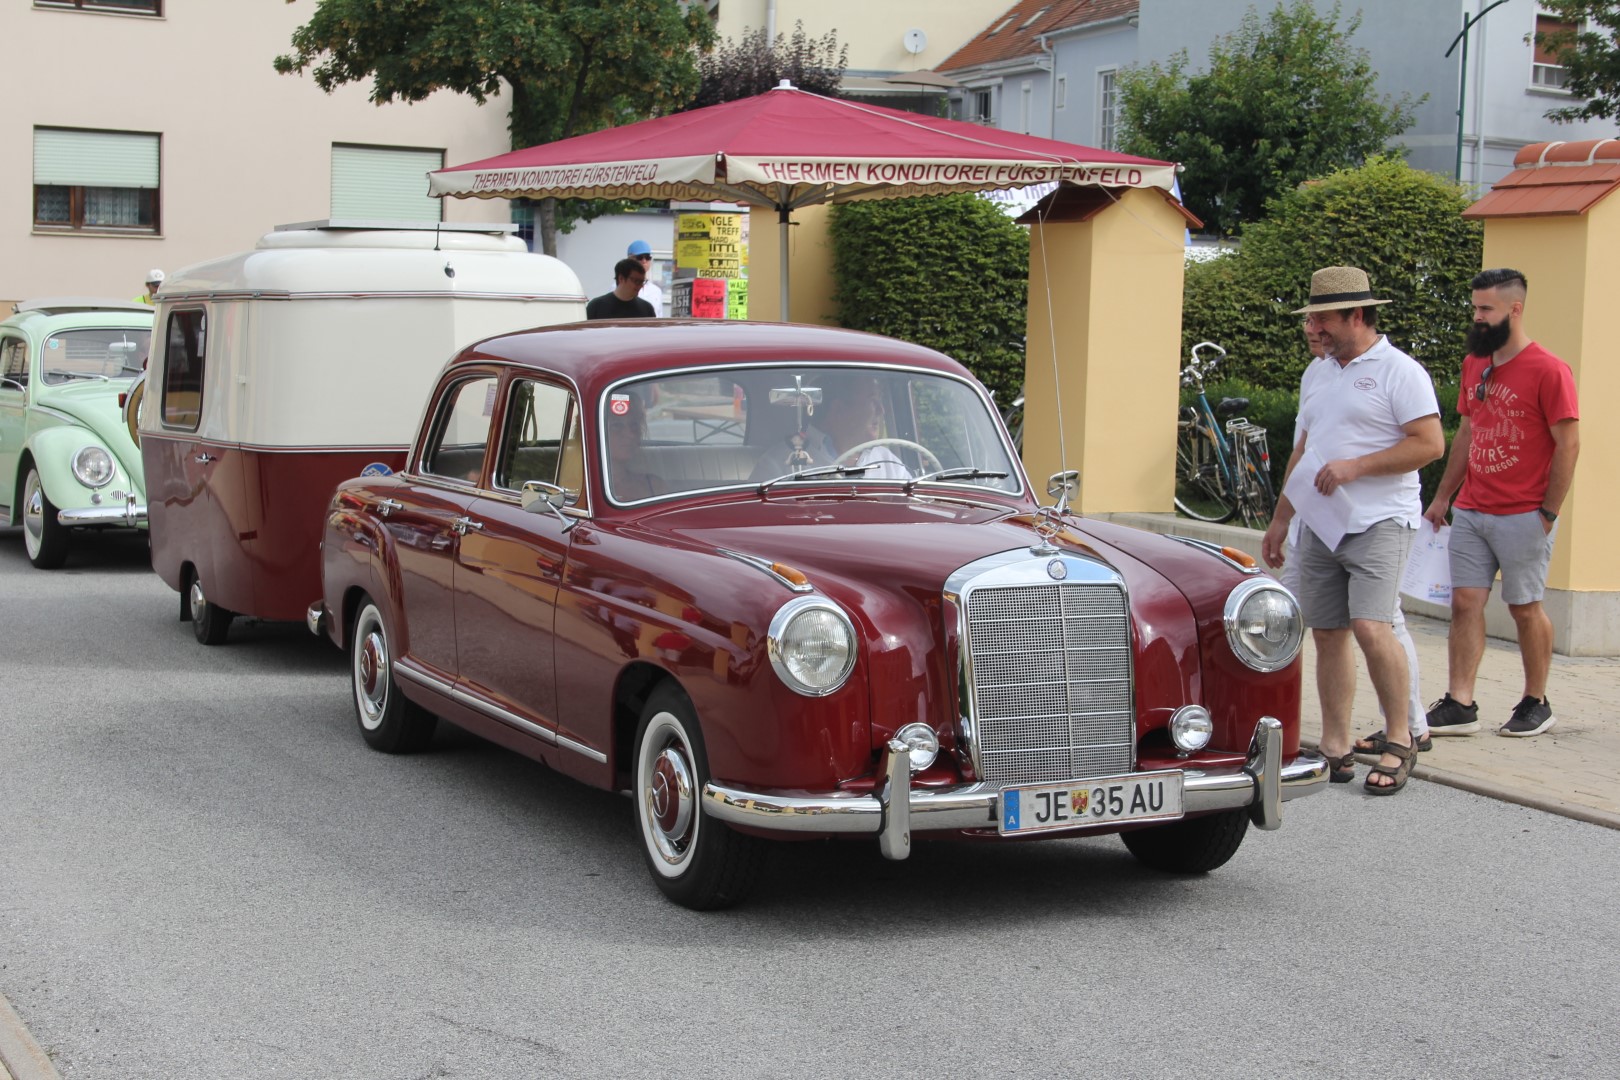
[
  {"x": 371, "y": 676},
  {"x": 33, "y": 515},
  {"x": 199, "y": 602},
  {"x": 668, "y": 800}
]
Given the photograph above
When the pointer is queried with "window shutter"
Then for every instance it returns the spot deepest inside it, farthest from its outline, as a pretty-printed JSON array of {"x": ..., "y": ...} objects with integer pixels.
[
  {"x": 95, "y": 159},
  {"x": 374, "y": 184}
]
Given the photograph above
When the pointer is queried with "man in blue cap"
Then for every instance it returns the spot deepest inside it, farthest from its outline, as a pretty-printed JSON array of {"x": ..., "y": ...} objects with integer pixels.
[{"x": 651, "y": 292}]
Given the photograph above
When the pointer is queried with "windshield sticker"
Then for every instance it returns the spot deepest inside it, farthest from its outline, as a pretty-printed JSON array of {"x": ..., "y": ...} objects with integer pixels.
[
  {"x": 376, "y": 468},
  {"x": 53, "y": 343},
  {"x": 619, "y": 404}
]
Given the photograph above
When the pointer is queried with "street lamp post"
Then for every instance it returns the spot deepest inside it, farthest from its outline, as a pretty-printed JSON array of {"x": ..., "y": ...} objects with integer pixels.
[{"x": 1462, "y": 82}]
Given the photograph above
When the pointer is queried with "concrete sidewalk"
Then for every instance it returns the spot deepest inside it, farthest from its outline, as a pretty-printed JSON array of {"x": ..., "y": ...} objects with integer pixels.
[{"x": 1572, "y": 769}]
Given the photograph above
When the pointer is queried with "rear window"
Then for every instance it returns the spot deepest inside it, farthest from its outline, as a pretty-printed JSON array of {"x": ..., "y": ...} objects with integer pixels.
[{"x": 184, "y": 359}]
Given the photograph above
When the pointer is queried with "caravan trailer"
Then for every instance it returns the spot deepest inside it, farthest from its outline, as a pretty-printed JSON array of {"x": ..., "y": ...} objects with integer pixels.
[{"x": 277, "y": 373}]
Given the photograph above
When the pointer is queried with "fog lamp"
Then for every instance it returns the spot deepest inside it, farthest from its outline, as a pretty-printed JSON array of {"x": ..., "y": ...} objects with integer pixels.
[
  {"x": 922, "y": 745},
  {"x": 1190, "y": 728}
]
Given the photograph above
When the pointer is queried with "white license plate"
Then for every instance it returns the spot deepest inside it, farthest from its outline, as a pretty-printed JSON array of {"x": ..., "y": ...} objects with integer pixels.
[{"x": 1078, "y": 804}]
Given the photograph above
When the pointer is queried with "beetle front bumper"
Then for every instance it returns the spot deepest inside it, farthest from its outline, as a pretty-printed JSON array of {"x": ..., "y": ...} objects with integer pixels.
[
  {"x": 1263, "y": 783},
  {"x": 128, "y": 511}
]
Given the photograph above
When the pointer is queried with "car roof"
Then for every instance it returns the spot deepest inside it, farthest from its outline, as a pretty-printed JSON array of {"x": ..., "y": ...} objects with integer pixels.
[
  {"x": 594, "y": 354},
  {"x": 49, "y": 316}
]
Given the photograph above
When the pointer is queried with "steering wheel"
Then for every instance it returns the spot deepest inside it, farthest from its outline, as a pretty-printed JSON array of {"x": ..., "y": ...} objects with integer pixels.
[{"x": 856, "y": 451}]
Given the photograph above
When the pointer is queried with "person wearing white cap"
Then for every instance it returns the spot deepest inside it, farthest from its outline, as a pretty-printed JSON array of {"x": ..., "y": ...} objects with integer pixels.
[
  {"x": 651, "y": 291},
  {"x": 154, "y": 278}
]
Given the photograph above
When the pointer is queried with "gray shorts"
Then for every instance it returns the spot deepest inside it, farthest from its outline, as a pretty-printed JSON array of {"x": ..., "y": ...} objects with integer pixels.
[
  {"x": 1360, "y": 579},
  {"x": 1482, "y": 544}
]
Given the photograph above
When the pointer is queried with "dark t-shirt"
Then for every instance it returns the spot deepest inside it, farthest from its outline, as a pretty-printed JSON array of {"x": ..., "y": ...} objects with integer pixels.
[{"x": 609, "y": 306}]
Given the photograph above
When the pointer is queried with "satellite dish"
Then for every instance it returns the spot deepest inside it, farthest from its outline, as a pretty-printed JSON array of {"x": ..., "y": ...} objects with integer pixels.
[{"x": 915, "y": 41}]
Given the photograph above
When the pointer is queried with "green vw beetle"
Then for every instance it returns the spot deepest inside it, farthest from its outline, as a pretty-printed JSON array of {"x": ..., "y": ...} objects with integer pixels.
[{"x": 67, "y": 459}]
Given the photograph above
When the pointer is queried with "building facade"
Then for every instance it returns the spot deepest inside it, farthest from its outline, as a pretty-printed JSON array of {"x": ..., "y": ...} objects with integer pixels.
[
  {"x": 156, "y": 133},
  {"x": 1048, "y": 67}
]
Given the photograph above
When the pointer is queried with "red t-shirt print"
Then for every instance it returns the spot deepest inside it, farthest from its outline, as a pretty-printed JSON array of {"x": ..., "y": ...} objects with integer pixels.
[{"x": 1512, "y": 444}]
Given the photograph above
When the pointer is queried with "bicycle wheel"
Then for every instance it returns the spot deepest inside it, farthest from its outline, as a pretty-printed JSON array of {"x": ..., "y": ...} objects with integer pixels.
[
  {"x": 1261, "y": 499},
  {"x": 1200, "y": 490}
]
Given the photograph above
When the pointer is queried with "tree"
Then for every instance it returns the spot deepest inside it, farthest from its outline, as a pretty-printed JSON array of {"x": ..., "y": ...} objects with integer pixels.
[
  {"x": 1587, "y": 45},
  {"x": 956, "y": 281},
  {"x": 571, "y": 66},
  {"x": 1403, "y": 226},
  {"x": 1286, "y": 98},
  {"x": 751, "y": 65}
]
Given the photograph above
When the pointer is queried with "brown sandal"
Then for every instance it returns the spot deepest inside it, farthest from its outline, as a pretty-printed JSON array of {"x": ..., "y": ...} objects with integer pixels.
[
  {"x": 1342, "y": 770},
  {"x": 1399, "y": 773},
  {"x": 1375, "y": 743}
]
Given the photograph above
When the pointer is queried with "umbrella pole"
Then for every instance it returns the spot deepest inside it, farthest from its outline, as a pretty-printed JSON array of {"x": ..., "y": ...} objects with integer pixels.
[{"x": 782, "y": 259}]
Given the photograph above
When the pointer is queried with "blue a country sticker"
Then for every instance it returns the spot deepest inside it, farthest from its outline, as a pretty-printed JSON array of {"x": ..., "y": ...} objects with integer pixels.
[
  {"x": 1009, "y": 809},
  {"x": 376, "y": 468}
]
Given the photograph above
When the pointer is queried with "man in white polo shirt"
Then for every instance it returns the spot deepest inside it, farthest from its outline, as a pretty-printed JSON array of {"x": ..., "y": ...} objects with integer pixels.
[{"x": 1369, "y": 416}]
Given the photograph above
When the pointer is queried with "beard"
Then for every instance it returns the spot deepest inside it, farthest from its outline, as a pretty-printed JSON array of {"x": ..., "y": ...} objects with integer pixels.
[{"x": 1485, "y": 338}]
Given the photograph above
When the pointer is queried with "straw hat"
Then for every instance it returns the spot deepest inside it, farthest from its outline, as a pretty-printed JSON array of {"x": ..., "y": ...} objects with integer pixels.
[{"x": 1334, "y": 288}]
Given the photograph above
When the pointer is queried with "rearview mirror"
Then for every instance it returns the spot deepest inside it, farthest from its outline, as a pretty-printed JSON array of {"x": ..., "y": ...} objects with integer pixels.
[{"x": 809, "y": 395}]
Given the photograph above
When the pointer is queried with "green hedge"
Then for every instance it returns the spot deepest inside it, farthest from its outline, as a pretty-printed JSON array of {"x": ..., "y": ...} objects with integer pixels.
[{"x": 950, "y": 272}]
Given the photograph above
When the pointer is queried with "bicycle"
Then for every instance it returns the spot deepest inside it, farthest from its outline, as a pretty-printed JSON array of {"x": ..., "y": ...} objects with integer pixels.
[{"x": 1223, "y": 471}]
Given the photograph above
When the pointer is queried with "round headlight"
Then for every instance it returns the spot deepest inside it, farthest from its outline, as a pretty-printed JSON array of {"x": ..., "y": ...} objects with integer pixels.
[
  {"x": 922, "y": 745},
  {"x": 93, "y": 466},
  {"x": 1190, "y": 728},
  {"x": 812, "y": 645},
  {"x": 1263, "y": 624}
]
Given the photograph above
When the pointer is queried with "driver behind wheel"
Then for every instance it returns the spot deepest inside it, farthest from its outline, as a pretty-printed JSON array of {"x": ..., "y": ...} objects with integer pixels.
[{"x": 850, "y": 414}]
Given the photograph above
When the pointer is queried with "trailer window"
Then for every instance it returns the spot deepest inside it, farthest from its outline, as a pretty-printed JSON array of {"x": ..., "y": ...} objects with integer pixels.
[{"x": 185, "y": 356}]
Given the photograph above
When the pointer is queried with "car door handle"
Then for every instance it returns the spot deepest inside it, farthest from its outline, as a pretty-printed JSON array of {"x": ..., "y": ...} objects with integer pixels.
[
  {"x": 388, "y": 506},
  {"x": 204, "y": 458},
  {"x": 462, "y": 524}
]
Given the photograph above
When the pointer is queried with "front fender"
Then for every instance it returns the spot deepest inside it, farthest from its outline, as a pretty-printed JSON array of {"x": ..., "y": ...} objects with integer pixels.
[{"x": 51, "y": 450}]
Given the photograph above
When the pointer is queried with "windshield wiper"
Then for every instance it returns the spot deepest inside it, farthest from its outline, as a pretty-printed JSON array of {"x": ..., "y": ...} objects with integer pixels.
[
  {"x": 78, "y": 375},
  {"x": 815, "y": 474},
  {"x": 968, "y": 472}
]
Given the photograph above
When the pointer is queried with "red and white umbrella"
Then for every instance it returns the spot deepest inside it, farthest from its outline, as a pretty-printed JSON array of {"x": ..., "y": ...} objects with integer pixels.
[{"x": 785, "y": 149}]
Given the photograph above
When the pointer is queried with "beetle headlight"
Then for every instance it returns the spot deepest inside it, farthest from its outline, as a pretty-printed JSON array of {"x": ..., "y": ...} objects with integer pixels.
[
  {"x": 1263, "y": 624},
  {"x": 93, "y": 466},
  {"x": 812, "y": 645}
]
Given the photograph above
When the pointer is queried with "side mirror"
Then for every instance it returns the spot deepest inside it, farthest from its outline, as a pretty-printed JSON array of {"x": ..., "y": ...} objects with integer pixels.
[
  {"x": 540, "y": 497},
  {"x": 1064, "y": 486}
]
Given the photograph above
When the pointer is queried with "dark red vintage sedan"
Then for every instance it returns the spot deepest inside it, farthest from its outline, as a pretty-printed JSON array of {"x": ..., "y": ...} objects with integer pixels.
[{"x": 785, "y": 582}]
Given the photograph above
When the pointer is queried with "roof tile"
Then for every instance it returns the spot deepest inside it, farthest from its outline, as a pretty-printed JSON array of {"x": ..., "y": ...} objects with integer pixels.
[{"x": 1012, "y": 34}]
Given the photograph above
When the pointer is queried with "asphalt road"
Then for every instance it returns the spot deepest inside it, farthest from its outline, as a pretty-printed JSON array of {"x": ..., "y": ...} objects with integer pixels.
[{"x": 205, "y": 873}]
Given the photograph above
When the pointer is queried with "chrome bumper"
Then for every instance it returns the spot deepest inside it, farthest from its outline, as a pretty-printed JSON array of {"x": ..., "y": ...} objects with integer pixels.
[
  {"x": 128, "y": 512},
  {"x": 1263, "y": 783},
  {"x": 315, "y": 617}
]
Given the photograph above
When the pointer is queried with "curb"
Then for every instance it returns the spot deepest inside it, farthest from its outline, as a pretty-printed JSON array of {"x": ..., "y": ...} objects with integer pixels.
[
  {"x": 20, "y": 1056},
  {"x": 1589, "y": 814}
]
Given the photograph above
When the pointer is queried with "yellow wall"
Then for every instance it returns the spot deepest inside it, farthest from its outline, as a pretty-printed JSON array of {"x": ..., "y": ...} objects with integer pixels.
[
  {"x": 873, "y": 31},
  {"x": 1574, "y": 278},
  {"x": 810, "y": 273},
  {"x": 1105, "y": 311}
]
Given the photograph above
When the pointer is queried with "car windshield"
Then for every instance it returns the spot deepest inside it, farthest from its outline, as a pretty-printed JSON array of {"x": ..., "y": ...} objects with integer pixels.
[
  {"x": 95, "y": 354},
  {"x": 773, "y": 427}
]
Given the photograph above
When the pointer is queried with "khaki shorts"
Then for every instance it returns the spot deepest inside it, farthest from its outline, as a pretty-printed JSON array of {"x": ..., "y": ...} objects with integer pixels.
[
  {"x": 1360, "y": 579},
  {"x": 1516, "y": 544}
]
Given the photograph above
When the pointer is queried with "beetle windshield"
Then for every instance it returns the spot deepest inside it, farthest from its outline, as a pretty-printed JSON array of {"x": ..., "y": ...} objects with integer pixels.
[
  {"x": 775, "y": 426},
  {"x": 95, "y": 354}
]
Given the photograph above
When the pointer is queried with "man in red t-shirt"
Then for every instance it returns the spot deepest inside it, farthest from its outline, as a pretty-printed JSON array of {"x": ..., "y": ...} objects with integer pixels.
[{"x": 1513, "y": 458}]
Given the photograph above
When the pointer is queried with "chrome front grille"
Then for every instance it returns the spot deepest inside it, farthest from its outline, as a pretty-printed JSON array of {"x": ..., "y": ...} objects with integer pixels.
[{"x": 1051, "y": 681}]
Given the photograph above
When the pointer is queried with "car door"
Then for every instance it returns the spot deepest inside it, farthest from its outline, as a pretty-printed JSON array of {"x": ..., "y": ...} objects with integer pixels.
[
  {"x": 13, "y": 412},
  {"x": 511, "y": 560},
  {"x": 426, "y": 517}
]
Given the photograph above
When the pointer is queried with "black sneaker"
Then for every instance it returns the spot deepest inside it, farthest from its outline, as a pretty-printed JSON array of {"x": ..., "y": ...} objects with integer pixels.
[
  {"x": 1447, "y": 717},
  {"x": 1530, "y": 717}
]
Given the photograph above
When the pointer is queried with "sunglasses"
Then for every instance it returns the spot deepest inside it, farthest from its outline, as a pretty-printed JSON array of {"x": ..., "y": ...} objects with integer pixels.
[{"x": 1484, "y": 377}]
